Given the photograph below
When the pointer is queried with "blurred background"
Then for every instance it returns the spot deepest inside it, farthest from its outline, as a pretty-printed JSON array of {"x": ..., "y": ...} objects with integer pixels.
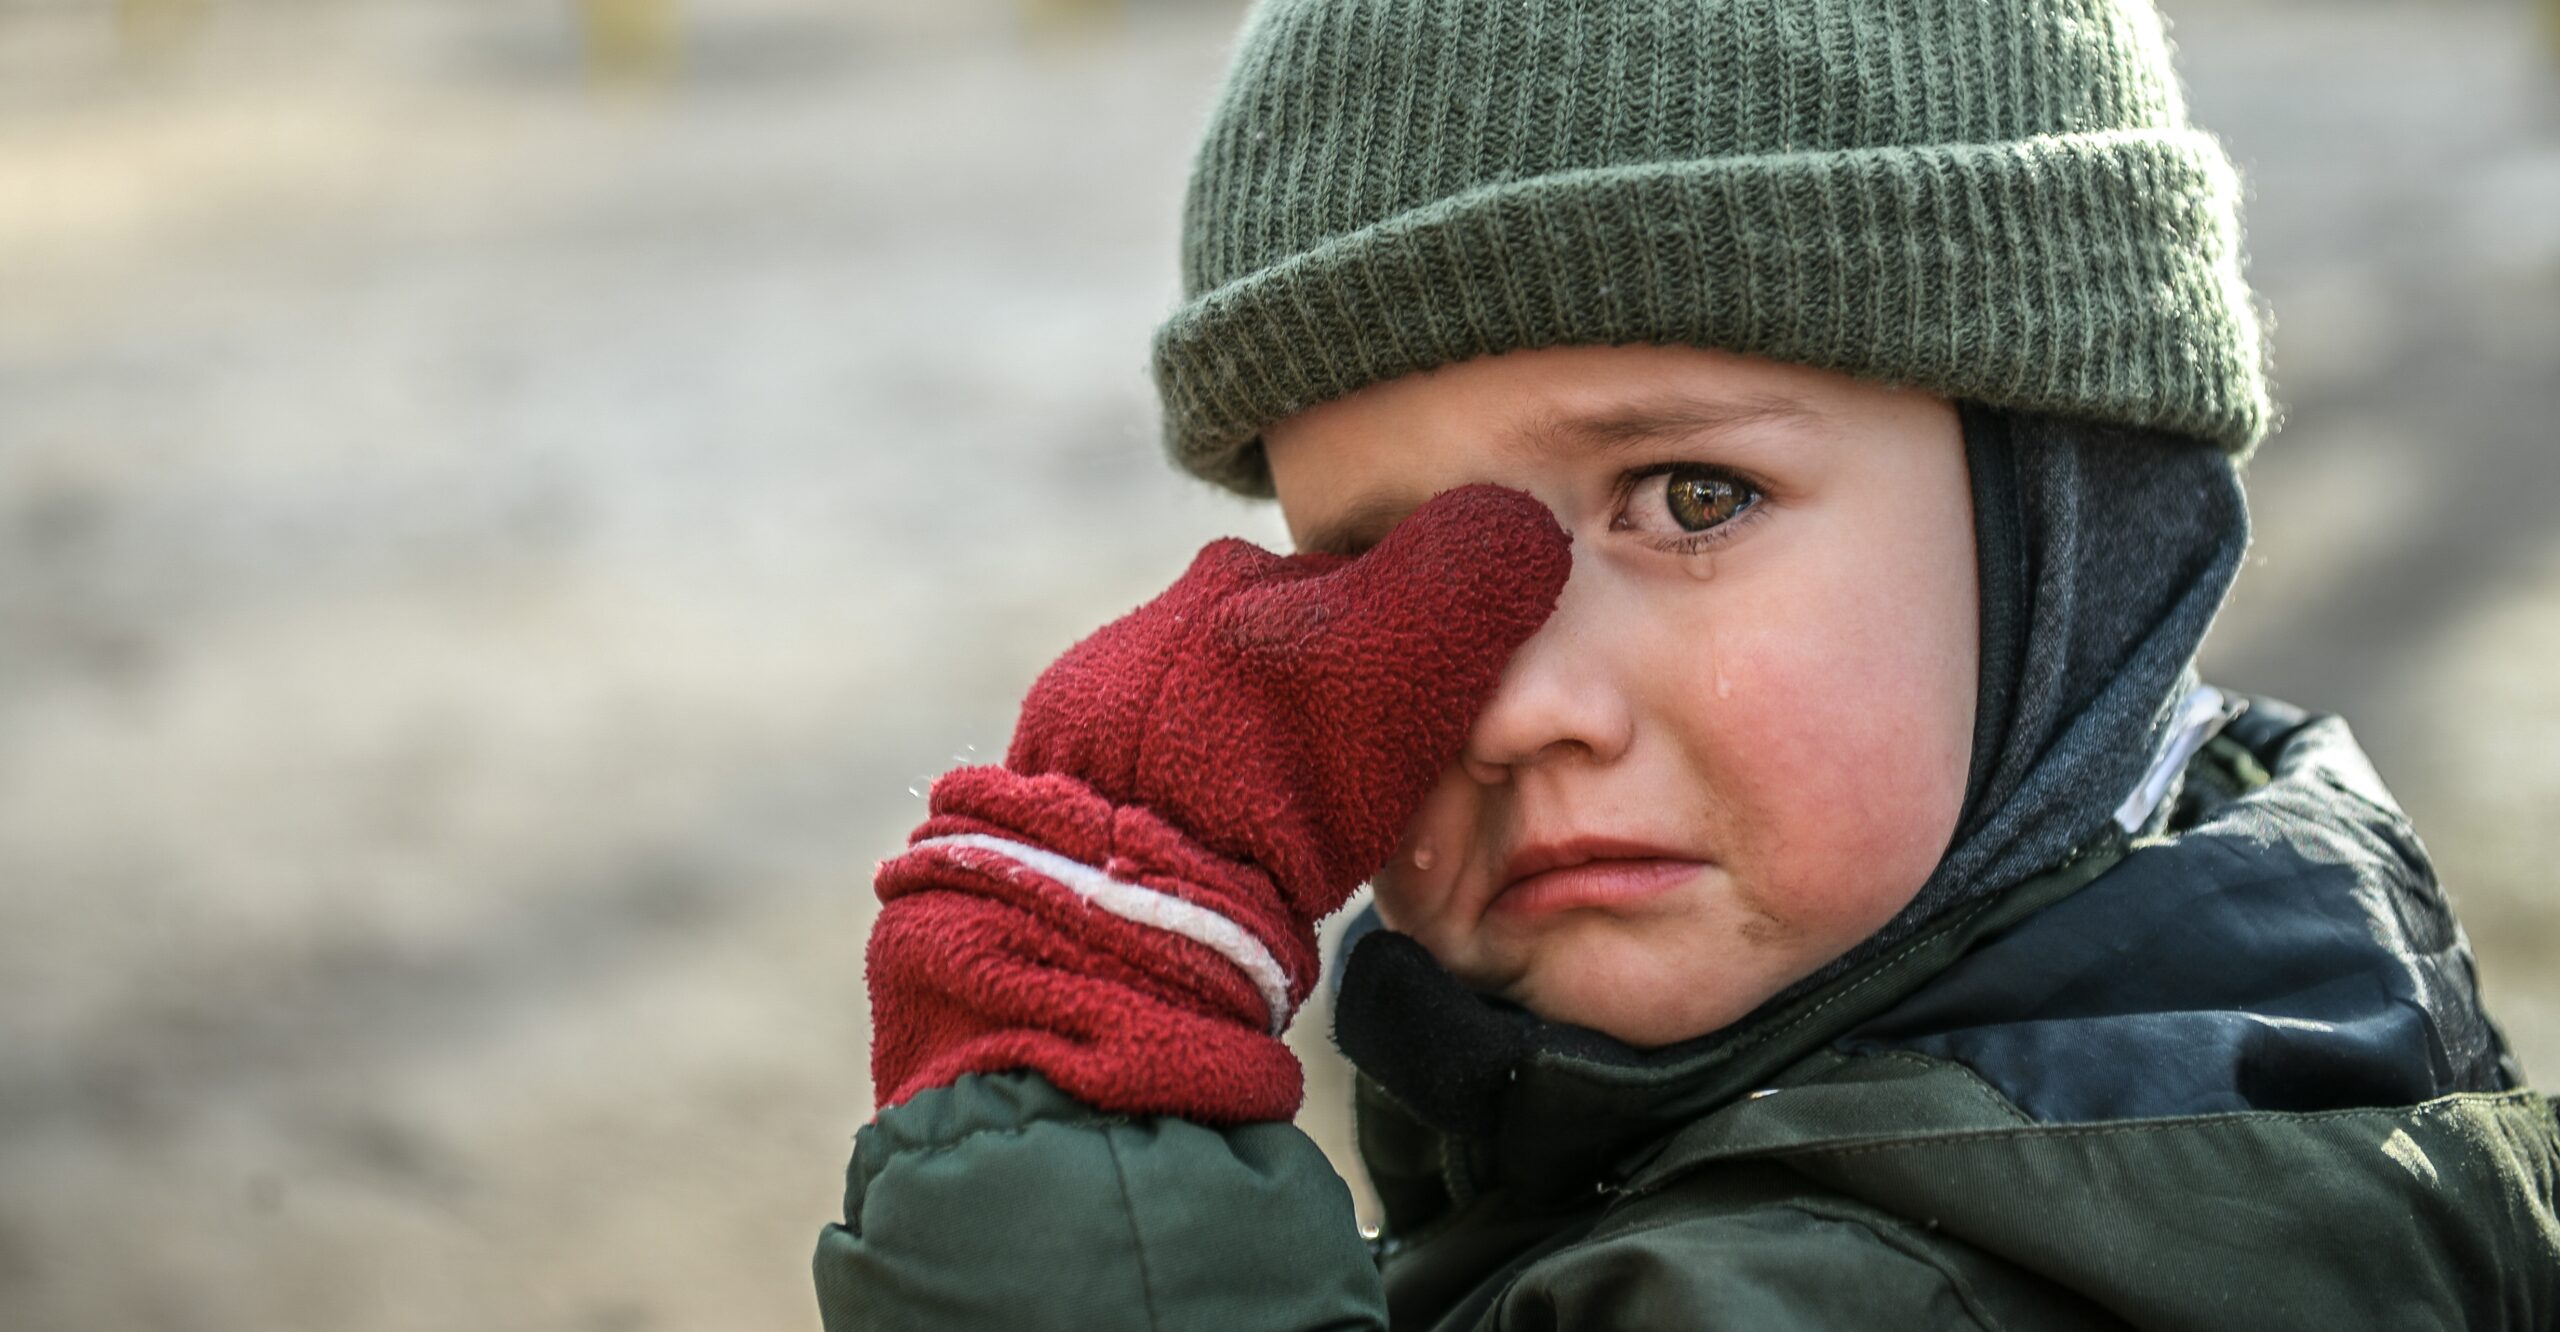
[{"x": 502, "y": 503}]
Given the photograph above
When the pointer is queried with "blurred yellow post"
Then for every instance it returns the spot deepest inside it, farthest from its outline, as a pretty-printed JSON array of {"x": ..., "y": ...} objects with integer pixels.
[
  {"x": 2551, "y": 25},
  {"x": 157, "y": 29},
  {"x": 630, "y": 41},
  {"x": 1068, "y": 17}
]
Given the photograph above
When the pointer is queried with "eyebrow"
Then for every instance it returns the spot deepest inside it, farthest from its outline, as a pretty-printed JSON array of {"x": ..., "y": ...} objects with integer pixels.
[
  {"x": 1617, "y": 429},
  {"x": 1656, "y": 420}
]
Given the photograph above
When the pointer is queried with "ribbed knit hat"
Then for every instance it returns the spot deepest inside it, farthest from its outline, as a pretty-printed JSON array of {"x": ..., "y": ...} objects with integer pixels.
[{"x": 1997, "y": 200}]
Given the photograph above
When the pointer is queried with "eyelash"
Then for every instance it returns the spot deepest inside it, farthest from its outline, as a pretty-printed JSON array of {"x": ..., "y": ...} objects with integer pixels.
[{"x": 1698, "y": 542}]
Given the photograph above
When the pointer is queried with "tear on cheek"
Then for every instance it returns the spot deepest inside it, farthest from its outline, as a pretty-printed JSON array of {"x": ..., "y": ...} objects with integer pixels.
[{"x": 1409, "y": 898}]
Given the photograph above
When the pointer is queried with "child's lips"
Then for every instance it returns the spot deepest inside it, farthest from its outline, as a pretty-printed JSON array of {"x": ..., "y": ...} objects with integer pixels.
[{"x": 1588, "y": 873}]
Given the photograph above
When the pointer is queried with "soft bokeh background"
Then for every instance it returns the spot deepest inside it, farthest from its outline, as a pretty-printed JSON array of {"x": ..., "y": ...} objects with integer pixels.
[{"x": 500, "y": 501}]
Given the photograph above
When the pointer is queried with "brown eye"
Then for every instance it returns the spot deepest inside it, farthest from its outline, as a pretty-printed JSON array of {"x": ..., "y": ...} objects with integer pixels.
[
  {"x": 1680, "y": 506},
  {"x": 1699, "y": 499}
]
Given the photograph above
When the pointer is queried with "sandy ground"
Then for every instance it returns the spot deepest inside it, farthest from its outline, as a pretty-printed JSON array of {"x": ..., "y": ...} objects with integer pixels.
[{"x": 487, "y": 550}]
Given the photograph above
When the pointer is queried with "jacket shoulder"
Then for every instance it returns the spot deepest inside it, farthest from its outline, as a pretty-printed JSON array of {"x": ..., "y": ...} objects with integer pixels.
[{"x": 2391, "y": 1216}]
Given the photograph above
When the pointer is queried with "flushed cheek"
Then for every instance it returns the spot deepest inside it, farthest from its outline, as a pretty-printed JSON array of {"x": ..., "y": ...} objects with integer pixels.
[{"x": 1832, "y": 796}]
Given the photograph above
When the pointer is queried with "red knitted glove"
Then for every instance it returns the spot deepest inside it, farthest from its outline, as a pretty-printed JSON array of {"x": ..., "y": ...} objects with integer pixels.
[{"x": 1128, "y": 905}]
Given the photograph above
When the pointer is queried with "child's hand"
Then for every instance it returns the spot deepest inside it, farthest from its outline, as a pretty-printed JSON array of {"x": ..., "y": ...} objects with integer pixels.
[{"x": 1128, "y": 905}]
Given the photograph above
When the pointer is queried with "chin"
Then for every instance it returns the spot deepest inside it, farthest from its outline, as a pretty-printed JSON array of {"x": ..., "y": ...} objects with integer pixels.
[
  {"x": 1644, "y": 1006},
  {"x": 1649, "y": 982}
]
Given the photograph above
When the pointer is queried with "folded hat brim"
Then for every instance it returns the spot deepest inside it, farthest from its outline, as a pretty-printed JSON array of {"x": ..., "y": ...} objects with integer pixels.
[{"x": 2093, "y": 275}]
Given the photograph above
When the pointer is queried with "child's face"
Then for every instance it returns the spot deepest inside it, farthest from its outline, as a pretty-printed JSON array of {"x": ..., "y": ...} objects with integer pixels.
[{"x": 1740, "y": 745}]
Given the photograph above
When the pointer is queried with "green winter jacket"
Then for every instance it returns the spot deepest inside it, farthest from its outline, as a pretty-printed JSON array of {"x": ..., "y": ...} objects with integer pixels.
[{"x": 2235, "y": 1076}]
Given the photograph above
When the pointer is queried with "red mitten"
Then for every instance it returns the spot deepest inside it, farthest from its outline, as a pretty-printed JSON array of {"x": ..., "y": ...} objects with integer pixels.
[{"x": 1128, "y": 905}]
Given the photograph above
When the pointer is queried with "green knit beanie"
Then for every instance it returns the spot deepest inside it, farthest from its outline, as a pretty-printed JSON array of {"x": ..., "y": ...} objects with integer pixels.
[{"x": 1996, "y": 200}]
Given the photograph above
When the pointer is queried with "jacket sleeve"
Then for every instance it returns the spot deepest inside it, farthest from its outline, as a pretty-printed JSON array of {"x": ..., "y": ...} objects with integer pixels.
[{"x": 1000, "y": 1202}]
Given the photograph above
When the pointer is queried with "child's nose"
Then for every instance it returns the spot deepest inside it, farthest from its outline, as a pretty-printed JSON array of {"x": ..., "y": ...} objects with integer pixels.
[{"x": 1559, "y": 699}]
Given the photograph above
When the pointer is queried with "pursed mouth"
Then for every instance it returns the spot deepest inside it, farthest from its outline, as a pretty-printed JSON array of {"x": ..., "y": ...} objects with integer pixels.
[
  {"x": 1539, "y": 857},
  {"x": 1597, "y": 872}
]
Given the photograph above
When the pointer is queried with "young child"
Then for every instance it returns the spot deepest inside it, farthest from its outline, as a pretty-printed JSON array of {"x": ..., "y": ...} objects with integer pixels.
[{"x": 1761, "y": 470}]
